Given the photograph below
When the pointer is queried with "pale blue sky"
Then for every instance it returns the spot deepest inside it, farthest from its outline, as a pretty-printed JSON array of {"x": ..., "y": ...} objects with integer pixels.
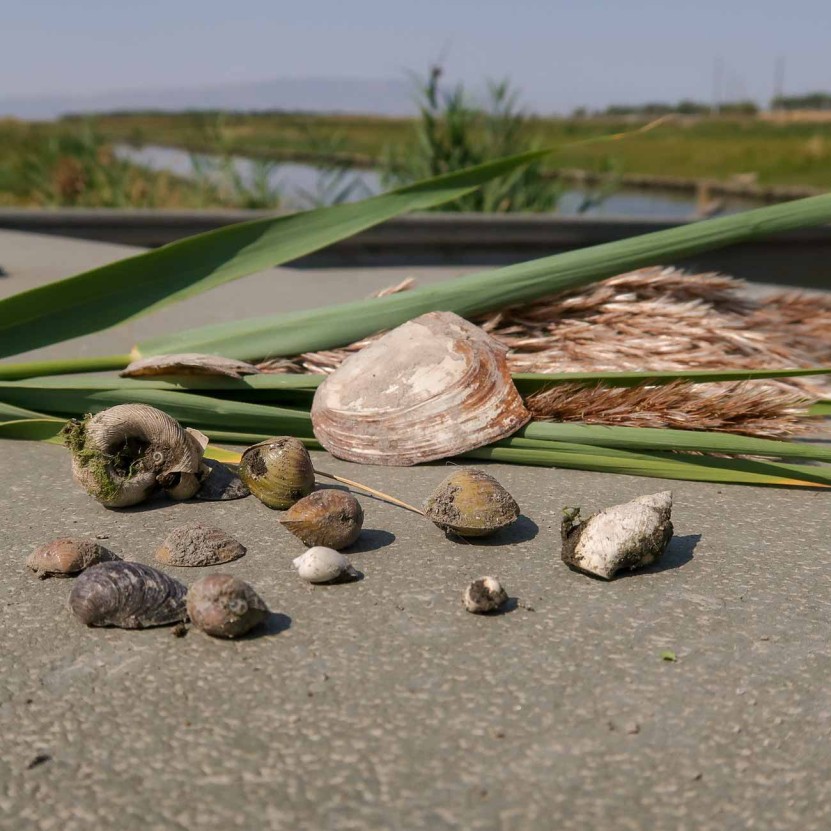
[{"x": 560, "y": 54}]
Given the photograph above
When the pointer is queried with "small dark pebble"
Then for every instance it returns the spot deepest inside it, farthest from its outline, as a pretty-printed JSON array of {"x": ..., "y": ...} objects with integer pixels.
[
  {"x": 40, "y": 759},
  {"x": 179, "y": 630}
]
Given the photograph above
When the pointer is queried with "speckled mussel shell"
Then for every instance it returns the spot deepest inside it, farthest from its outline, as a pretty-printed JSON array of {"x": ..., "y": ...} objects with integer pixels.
[
  {"x": 127, "y": 595},
  {"x": 224, "y": 606},
  {"x": 198, "y": 545},
  {"x": 471, "y": 503},
  {"x": 67, "y": 556},
  {"x": 332, "y": 518},
  {"x": 278, "y": 471}
]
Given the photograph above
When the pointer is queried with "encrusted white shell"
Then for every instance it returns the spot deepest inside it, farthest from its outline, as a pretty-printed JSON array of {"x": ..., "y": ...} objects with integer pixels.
[
  {"x": 626, "y": 536},
  {"x": 324, "y": 565},
  {"x": 432, "y": 388},
  {"x": 484, "y": 595}
]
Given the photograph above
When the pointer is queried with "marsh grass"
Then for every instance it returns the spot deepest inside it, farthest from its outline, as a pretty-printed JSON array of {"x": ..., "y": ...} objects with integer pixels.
[
  {"x": 53, "y": 166},
  {"x": 697, "y": 148},
  {"x": 455, "y": 131}
]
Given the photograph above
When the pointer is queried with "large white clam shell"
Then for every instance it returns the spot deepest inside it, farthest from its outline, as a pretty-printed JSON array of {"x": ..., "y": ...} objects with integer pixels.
[{"x": 432, "y": 388}]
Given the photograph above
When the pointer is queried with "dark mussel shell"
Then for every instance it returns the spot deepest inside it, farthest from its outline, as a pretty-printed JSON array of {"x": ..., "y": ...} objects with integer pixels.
[{"x": 127, "y": 595}]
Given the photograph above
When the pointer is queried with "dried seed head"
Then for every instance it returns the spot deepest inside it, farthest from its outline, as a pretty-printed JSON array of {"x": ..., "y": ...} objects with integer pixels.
[
  {"x": 225, "y": 607},
  {"x": 127, "y": 595},
  {"x": 471, "y": 504},
  {"x": 484, "y": 595},
  {"x": 324, "y": 565},
  {"x": 198, "y": 545},
  {"x": 122, "y": 454},
  {"x": 278, "y": 471},
  {"x": 625, "y": 536},
  {"x": 331, "y": 518},
  {"x": 65, "y": 557}
]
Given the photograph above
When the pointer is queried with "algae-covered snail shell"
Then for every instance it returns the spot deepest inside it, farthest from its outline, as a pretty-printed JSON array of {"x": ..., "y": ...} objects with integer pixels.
[
  {"x": 471, "y": 503},
  {"x": 278, "y": 471},
  {"x": 120, "y": 455}
]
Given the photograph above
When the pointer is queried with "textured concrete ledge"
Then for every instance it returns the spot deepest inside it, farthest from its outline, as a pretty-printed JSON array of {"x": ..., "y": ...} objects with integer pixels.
[{"x": 799, "y": 258}]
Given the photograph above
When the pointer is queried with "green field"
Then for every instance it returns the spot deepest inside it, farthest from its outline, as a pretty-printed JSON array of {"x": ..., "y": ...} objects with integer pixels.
[
  {"x": 70, "y": 162},
  {"x": 778, "y": 154}
]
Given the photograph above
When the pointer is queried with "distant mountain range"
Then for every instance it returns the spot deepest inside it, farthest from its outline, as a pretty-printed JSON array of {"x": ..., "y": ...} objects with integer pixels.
[{"x": 336, "y": 95}]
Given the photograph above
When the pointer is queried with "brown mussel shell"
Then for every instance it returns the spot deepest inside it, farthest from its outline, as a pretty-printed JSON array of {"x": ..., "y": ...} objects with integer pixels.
[
  {"x": 122, "y": 454},
  {"x": 224, "y": 606},
  {"x": 471, "y": 503},
  {"x": 432, "y": 388},
  {"x": 198, "y": 545},
  {"x": 67, "y": 556},
  {"x": 127, "y": 595},
  {"x": 332, "y": 518},
  {"x": 278, "y": 471}
]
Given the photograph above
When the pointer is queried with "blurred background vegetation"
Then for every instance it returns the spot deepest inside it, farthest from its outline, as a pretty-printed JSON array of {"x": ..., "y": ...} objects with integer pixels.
[{"x": 79, "y": 160}]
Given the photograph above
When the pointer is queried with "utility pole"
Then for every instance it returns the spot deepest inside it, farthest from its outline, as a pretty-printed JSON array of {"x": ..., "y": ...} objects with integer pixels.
[
  {"x": 778, "y": 82},
  {"x": 718, "y": 79}
]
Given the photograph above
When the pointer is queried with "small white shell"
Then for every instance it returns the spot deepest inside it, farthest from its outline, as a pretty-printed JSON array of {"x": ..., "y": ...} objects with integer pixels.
[
  {"x": 484, "y": 595},
  {"x": 324, "y": 565},
  {"x": 626, "y": 536}
]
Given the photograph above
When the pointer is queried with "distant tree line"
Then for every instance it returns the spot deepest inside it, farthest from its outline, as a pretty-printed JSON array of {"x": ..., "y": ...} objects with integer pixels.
[
  {"x": 809, "y": 101},
  {"x": 683, "y": 107}
]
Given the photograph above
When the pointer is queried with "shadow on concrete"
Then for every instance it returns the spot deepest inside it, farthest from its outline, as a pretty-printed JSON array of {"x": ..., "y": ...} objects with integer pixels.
[
  {"x": 274, "y": 624},
  {"x": 371, "y": 539},
  {"x": 523, "y": 530},
  {"x": 678, "y": 553}
]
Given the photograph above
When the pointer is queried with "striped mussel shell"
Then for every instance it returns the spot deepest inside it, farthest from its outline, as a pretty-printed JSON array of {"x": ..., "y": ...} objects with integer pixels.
[{"x": 127, "y": 595}]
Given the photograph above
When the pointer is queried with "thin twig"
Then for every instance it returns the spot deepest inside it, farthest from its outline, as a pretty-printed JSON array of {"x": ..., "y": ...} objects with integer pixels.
[{"x": 384, "y": 496}]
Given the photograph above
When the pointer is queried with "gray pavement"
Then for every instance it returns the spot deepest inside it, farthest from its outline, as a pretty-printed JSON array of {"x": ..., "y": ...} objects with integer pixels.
[{"x": 382, "y": 704}]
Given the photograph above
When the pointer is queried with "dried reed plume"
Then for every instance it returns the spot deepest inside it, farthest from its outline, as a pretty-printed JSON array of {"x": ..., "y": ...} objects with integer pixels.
[
  {"x": 658, "y": 319},
  {"x": 746, "y": 408}
]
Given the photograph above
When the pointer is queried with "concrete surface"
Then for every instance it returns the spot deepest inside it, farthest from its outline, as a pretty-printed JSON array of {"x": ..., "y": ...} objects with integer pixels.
[
  {"x": 382, "y": 704},
  {"x": 798, "y": 258}
]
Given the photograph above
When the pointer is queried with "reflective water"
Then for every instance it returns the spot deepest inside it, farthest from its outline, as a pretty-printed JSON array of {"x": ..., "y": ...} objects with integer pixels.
[{"x": 303, "y": 185}]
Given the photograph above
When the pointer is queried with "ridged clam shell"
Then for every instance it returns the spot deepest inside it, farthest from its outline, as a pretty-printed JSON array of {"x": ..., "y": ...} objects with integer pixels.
[
  {"x": 67, "y": 556},
  {"x": 127, "y": 595},
  {"x": 198, "y": 545},
  {"x": 432, "y": 388}
]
